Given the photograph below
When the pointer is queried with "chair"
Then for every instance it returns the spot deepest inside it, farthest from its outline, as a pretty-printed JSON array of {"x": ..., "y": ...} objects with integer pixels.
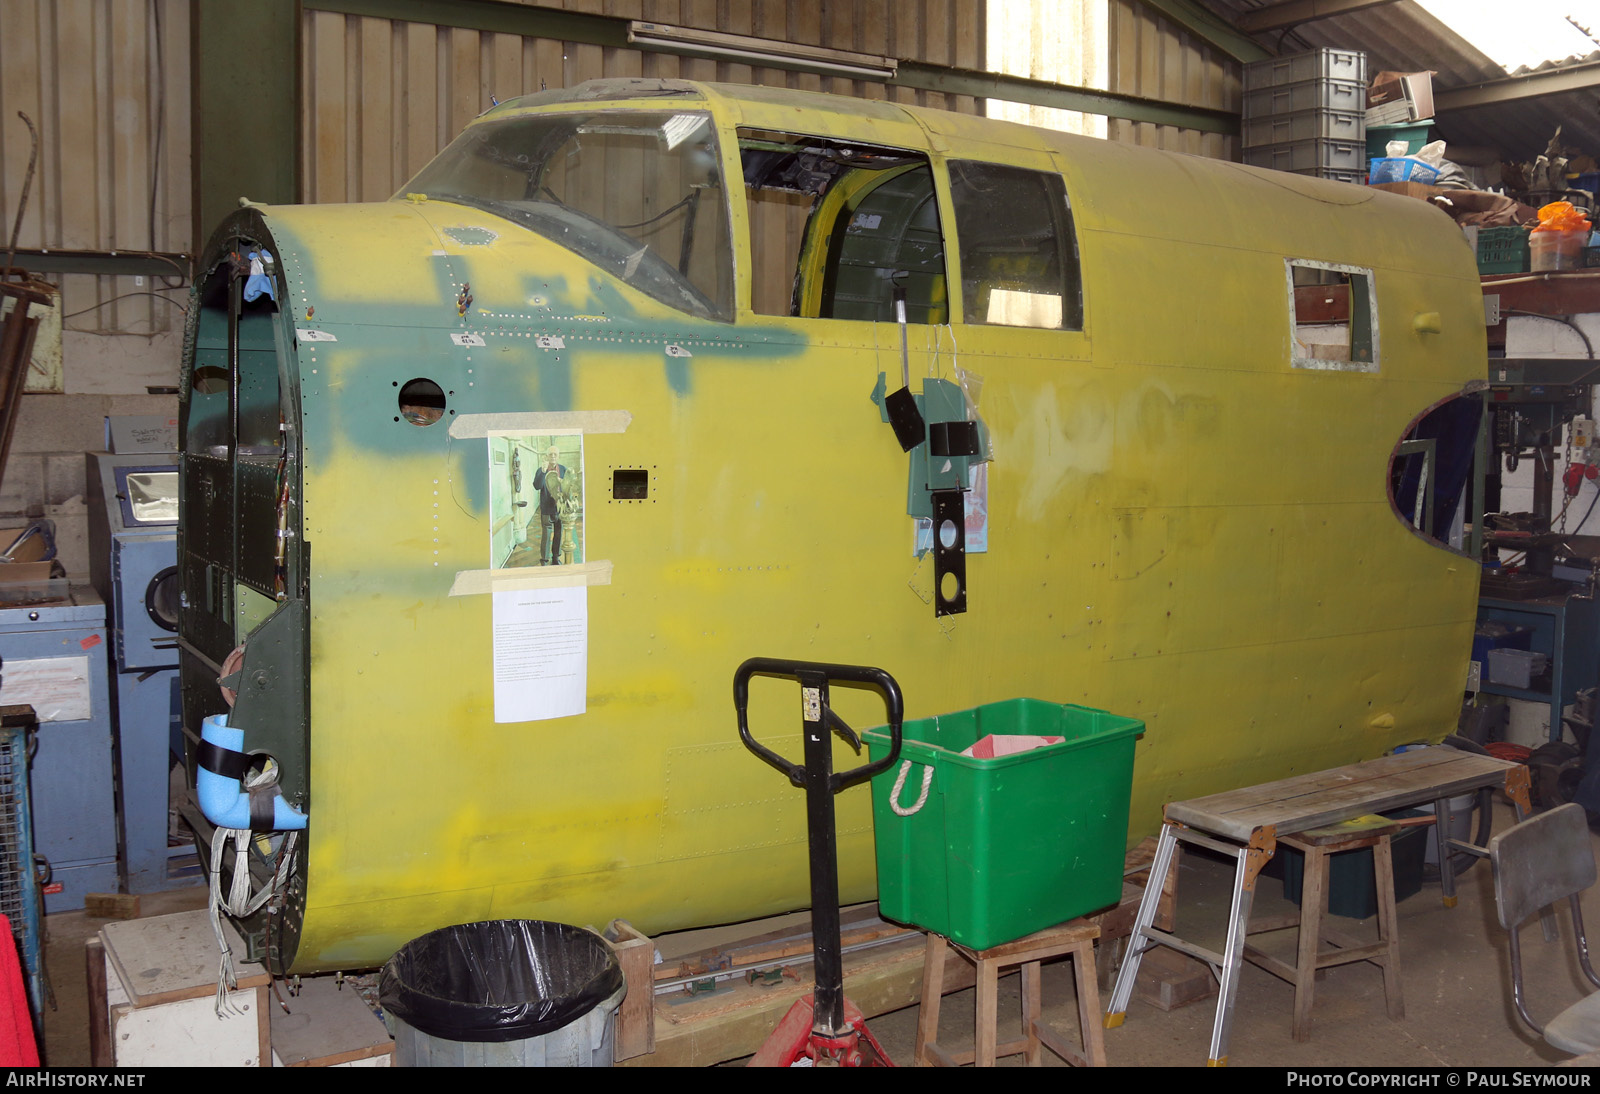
[{"x": 1536, "y": 863}]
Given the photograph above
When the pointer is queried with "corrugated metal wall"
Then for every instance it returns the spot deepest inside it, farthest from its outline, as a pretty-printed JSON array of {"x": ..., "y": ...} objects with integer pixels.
[
  {"x": 106, "y": 82},
  {"x": 1153, "y": 58},
  {"x": 381, "y": 96}
]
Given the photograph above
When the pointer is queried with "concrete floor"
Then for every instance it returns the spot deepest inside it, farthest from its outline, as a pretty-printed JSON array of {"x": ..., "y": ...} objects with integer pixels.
[{"x": 1455, "y": 973}]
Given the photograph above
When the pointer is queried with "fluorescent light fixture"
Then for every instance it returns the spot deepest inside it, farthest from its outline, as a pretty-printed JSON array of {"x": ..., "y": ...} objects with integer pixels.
[{"x": 761, "y": 51}]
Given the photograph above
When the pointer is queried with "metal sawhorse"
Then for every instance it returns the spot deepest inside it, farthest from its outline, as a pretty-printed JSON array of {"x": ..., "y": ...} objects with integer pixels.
[{"x": 1245, "y": 824}]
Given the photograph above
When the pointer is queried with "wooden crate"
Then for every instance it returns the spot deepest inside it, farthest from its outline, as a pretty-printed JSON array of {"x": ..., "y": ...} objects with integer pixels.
[
  {"x": 636, "y": 1018},
  {"x": 159, "y": 997}
]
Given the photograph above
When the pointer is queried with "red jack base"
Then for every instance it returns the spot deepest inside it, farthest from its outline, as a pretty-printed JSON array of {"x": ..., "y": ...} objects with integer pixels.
[{"x": 795, "y": 1044}]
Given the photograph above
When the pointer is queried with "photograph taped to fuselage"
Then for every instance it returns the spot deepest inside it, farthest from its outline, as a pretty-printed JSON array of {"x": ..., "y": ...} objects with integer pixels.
[{"x": 536, "y": 500}]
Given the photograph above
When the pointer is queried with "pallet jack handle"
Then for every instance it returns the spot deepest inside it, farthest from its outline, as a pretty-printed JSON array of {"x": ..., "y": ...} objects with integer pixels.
[
  {"x": 814, "y": 679},
  {"x": 821, "y": 1027}
]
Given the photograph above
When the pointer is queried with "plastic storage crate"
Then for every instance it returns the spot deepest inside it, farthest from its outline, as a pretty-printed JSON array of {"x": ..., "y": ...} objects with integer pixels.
[
  {"x": 1358, "y": 178},
  {"x": 1503, "y": 250},
  {"x": 1338, "y": 95},
  {"x": 1378, "y": 137},
  {"x": 1004, "y": 847},
  {"x": 1407, "y": 169},
  {"x": 1319, "y": 64},
  {"x": 1339, "y": 125},
  {"x": 1352, "y": 886},
  {"x": 1310, "y": 155}
]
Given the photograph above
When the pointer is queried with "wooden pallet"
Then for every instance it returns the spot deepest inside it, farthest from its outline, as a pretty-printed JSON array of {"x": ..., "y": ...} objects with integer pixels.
[{"x": 697, "y": 1031}]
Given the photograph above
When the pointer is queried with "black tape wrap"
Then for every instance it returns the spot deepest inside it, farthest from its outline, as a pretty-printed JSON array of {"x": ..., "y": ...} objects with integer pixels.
[
  {"x": 236, "y": 765},
  {"x": 222, "y": 761},
  {"x": 261, "y": 807}
]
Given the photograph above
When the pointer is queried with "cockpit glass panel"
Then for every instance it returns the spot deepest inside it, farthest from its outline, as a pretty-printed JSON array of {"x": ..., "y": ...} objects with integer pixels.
[
  {"x": 152, "y": 496},
  {"x": 1019, "y": 251},
  {"x": 638, "y": 194}
]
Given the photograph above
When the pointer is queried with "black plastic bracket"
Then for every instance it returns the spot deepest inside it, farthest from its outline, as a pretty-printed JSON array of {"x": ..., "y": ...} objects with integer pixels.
[
  {"x": 949, "y": 522},
  {"x": 953, "y": 438}
]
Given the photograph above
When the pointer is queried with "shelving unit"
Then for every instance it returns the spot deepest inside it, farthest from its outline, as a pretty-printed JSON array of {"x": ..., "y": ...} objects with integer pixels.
[{"x": 1564, "y": 629}]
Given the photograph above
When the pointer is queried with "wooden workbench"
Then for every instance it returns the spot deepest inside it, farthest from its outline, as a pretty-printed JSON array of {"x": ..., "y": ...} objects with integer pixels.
[{"x": 1246, "y": 823}]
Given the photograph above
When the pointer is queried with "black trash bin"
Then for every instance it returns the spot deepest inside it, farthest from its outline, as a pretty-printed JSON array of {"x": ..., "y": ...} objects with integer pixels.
[{"x": 506, "y": 992}]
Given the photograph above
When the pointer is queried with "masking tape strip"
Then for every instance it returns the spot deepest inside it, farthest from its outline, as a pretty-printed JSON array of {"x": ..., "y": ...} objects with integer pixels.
[
  {"x": 571, "y": 421},
  {"x": 473, "y": 582}
]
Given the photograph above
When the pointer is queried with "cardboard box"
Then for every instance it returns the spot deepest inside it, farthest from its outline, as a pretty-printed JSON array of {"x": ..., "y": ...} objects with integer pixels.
[
  {"x": 142, "y": 433},
  {"x": 27, "y": 562},
  {"x": 29, "y": 577},
  {"x": 1415, "y": 89}
]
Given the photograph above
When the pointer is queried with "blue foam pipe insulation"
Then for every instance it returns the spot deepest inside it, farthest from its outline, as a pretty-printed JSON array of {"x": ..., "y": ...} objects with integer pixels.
[{"x": 223, "y": 800}]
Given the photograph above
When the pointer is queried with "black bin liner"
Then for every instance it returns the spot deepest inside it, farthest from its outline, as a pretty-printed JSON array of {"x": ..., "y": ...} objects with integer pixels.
[{"x": 501, "y": 980}]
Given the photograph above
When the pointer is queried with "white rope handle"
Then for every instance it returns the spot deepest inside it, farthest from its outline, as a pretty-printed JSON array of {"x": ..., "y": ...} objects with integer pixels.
[{"x": 899, "y": 785}]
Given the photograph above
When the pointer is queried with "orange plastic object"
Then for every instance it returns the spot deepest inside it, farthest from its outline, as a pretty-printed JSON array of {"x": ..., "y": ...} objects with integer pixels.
[{"x": 1561, "y": 216}]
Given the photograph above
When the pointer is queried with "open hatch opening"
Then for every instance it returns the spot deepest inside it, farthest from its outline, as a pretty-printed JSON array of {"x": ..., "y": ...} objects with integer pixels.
[{"x": 1431, "y": 467}]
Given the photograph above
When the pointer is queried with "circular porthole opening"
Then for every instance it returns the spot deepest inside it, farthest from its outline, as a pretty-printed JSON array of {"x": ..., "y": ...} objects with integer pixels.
[
  {"x": 421, "y": 402},
  {"x": 210, "y": 380},
  {"x": 263, "y": 770},
  {"x": 161, "y": 599}
]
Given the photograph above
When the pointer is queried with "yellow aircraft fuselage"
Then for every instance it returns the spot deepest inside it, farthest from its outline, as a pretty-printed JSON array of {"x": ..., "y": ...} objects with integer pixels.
[{"x": 1188, "y": 511}]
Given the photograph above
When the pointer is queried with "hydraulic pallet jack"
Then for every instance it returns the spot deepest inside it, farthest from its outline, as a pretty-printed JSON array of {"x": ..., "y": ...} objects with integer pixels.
[{"x": 822, "y": 1029}]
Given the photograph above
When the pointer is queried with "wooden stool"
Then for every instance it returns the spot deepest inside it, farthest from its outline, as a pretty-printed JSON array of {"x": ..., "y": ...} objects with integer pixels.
[
  {"x": 1318, "y": 844},
  {"x": 1075, "y": 937}
]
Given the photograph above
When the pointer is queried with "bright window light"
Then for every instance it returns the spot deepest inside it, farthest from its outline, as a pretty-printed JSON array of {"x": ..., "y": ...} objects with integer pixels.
[
  {"x": 1012, "y": 308},
  {"x": 1537, "y": 31},
  {"x": 1048, "y": 40}
]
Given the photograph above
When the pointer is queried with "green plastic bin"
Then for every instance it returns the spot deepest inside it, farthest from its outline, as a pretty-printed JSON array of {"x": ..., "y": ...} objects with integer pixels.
[
  {"x": 1004, "y": 847},
  {"x": 1503, "y": 250}
]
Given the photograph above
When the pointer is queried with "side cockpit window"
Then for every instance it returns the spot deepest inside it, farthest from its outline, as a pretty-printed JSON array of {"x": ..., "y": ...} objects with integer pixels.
[
  {"x": 1333, "y": 311},
  {"x": 836, "y": 227},
  {"x": 1019, "y": 253}
]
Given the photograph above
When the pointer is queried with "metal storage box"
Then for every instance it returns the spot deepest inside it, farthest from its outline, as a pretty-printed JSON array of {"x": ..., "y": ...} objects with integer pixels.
[
  {"x": 1516, "y": 668},
  {"x": 1326, "y": 63},
  {"x": 55, "y": 660}
]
